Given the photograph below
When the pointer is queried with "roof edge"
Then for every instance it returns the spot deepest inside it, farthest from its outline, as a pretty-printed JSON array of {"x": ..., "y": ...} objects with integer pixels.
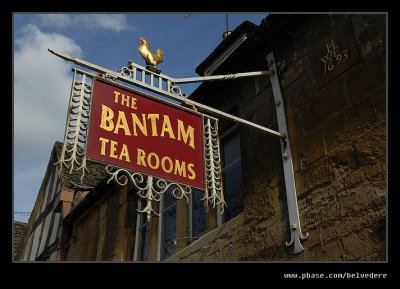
[{"x": 246, "y": 27}]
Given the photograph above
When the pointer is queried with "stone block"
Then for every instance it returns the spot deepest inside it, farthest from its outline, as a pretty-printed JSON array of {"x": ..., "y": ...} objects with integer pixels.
[
  {"x": 312, "y": 30},
  {"x": 307, "y": 149},
  {"x": 364, "y": 196},
  {"x": 298, "y": 90},
  {"x": 372, "y": 218},
  {"x": 324, "y": 104},
  {"x": 323, "y": 209},
  {"x": 370, "y": 32},
  {"x": 379, "y": 102},
  {"x": 331, "y": 250},
  {"x": 366, "y": 77},
  {"x": 316, "y": 176},
  {"x": 180, "y": 255},
  {"x": 293, "y": 67},
  {"x": 367, "y": 152},
  {"x": 360, "y": 243},
  {"x": 334, "y": 54},
  {"x": 262, "y": 204},
  {"x": 350, "y": 124}
]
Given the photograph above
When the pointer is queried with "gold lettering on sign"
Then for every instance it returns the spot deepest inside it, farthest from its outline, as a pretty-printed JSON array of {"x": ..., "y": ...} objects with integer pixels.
[{"x": 333, "y": 56}]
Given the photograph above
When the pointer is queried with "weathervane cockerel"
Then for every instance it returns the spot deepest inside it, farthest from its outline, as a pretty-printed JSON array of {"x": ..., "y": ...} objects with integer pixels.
[{"x": 150, "y": 58}]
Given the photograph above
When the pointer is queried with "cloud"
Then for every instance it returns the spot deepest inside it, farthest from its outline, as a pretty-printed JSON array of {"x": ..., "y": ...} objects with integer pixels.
[
  {"x": 42, "y": 84},
  {"x": 55, "y": 20},
  {"x": 113, "y": 22}
]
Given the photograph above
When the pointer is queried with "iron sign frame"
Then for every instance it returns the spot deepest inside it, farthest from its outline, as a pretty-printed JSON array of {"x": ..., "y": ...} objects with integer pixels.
[{"x": 164, "y": 85}]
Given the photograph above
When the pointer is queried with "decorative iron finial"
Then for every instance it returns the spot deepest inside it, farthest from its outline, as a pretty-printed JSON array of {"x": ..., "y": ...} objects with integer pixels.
[
  {"x": 152, "y": 59},
  {"x": 227, "y": 32}
]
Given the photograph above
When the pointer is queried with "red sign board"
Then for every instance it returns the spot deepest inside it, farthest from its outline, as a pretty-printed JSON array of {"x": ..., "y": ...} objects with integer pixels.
[{"x": 131, "y": 130}]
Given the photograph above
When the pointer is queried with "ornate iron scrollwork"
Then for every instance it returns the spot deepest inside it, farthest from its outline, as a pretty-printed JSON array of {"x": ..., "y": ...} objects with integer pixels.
[
  {"x": 214, "y": 192},
  {"x": 74, "y": 146},
  {"x": 133, "y": 74},
  {"x": 149, "y": 188},
  {"x": 157, "y": 82},
  {"x": 175, "y": 89}
]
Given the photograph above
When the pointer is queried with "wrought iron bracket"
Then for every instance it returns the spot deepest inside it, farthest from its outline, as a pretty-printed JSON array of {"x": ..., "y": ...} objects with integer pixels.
[
  {"x": 150, "y": 188},
  {"x": 162, "y": 84},
  {"x": 294, "y": 219},
  {"x": 74, "y": 146}
]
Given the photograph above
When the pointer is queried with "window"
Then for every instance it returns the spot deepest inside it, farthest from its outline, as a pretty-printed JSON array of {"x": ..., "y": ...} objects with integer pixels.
[
  {"x": 180, "y": 224},
  {"x": 232, "y": 174},
  {"x": 142, "y": 238},
  {"x": 168, "y": 225},
  {"x": 198, "y": 214},
  {"x": 191, "y": 218}
]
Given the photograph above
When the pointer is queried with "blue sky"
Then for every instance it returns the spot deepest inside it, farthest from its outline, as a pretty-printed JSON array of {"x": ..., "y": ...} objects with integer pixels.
[{"x": 42, "y": 81}]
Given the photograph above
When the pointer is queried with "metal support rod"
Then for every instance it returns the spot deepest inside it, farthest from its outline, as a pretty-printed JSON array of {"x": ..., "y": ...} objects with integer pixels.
[
  {"x": 203, "y": 107},
  {"x": 160, "y": 229},
  {"x": 293, "y": 210},
  {"x": 222, "y": 77},
  {"x": 137, "y": 232}
]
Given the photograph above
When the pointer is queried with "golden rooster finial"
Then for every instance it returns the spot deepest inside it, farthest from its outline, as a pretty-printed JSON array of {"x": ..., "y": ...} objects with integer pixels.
[{"x": 151, "y": 59}]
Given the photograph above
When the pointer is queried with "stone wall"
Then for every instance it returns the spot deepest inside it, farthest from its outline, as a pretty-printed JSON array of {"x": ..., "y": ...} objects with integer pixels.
[
  {"x": 104, "y": 232},
  {"x": 337, "y": 126}
]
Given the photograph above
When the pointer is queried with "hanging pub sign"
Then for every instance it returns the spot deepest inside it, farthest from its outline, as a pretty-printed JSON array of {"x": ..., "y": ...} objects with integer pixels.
[{"x": 135, "y": 131}]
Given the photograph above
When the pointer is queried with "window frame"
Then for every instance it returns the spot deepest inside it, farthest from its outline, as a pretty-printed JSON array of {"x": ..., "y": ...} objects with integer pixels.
[
  {"x": 228, "y": 133},
  {"x": 138, "y": 232},
  {"x": 213, "y": 213}
]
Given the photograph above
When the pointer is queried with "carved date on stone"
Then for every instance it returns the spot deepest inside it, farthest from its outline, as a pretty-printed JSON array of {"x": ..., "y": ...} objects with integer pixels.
[{"x": 334, "y": 54}]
